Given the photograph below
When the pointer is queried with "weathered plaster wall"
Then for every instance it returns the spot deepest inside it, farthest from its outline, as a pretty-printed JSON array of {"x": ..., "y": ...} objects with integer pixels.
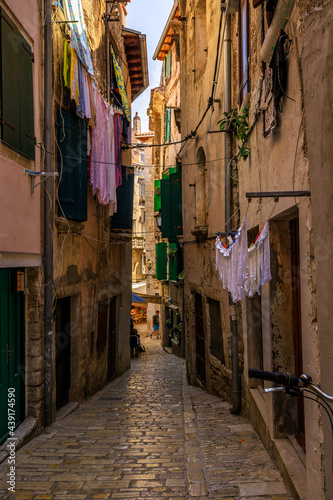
[{"x": 317, "y": 67}]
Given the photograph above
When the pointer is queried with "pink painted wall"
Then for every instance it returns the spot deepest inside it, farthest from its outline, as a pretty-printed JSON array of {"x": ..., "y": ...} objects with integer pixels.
[{"x": 20, "y": 210}]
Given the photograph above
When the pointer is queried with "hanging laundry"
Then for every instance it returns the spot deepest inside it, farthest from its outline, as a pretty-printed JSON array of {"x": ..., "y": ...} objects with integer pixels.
[
  {"x": 251, "y": 283},
  {"x": 126, "y": 130},
  {"x": 86, "y": 94},
  {"x": 232, "y": 263},
  {"x": 112, "y": 156},
  {"x": 74, "y": 81},
  {"x": 121, "y": 86},
  {"x": 267, "y": 104},
  {"x": 117, "y": 128},
  {"x": 263, "y": 257},
  {"x": 80, "y": 109},
  {"x": 92, "y": 100},
  {"x": 79, "y": 40},
  {"x": 67, "y": 64},
  {"x": 100, "y": 159}
]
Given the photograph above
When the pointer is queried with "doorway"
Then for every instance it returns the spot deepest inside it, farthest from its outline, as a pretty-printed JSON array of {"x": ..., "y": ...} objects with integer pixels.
[
  {"x": 200, "y": 339},
  {"x": 12, "y": 341},
  {"x": 112, "y": 339},
  {"x": 296, "y": 292},
  {"x": 63, "y": 351}
]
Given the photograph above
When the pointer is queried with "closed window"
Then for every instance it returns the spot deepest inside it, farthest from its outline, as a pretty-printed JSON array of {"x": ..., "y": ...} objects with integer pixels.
[
  {"x": 216, "y": 338},
  {"x": 72, "y": 166},
  {"x": 17, "y": 109},
  {"x": 167, "y": 65},
  {"x": 243, "y": 48}
]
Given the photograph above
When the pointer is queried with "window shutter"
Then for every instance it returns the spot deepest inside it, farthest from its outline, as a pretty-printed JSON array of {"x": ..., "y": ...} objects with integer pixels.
[
  {"x": 11, "y": 42},
  {"x": 26, "y": 102},
  {"x": 176, "y": 206},
  {"x": 168, "y": 125},
  {"x": 72, "y": 166},
  {"x": 122, "y": 220},
  {"x": 161, "y": 261},
  {"x": 157, "y": 196},
  {"x": 165, "y": 207},
  {"x": 243, "y": 48},
  {"x": 167, "y": 65}
]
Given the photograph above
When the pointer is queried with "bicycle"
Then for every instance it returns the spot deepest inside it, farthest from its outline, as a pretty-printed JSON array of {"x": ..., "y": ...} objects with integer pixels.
[{"x": 295, "y": 386}]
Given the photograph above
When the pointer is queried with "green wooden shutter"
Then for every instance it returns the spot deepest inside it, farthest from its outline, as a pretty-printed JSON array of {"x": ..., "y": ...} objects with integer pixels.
[
  {"x": 26, "y": 102},
  {"x": 161, "y": 261},
  {"x": 176, "y": 215},
  {"x": 168, "y": 125},
  {"x": 11, "y": 42},
  {"x": 122, "y": 220},
  {"x": 165, "y": 207},
  {"x": 157, "y": 195},
  {"x": 72, "y": 166},
  {"x": 173, "y": 262},
  {"x": 17, "y": 116}
]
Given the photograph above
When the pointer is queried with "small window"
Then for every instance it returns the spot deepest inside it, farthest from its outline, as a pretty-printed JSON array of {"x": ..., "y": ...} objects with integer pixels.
[
  {"x": 17, "y": 107},
  {"x": 216, "y": 338},
  {"x": 167, "y": 65}
]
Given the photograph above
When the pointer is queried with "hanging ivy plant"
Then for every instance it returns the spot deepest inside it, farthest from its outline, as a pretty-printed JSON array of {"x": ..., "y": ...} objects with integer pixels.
[
  {"x": 168, "y": 323},
  {"x": 238, "y": 124}
]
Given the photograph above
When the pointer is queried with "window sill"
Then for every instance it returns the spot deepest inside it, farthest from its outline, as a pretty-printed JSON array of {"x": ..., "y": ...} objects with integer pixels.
[
  {"x": 64, "y": 224},
  {"x": 200, "y": 232}
]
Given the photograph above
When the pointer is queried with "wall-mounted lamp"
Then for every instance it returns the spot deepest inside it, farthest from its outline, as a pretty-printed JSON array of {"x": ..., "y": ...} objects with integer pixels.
[
  {"x": 149, "y": 264},
  {"x": 158, "y": 218}
]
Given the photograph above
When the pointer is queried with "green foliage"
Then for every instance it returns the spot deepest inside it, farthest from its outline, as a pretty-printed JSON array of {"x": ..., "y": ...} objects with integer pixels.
[
  {"x": 238, "y": 124},
  {"x": 172, "y": 253}
]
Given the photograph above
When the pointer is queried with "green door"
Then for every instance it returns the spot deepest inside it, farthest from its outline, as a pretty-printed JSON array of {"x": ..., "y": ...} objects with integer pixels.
[{"x": 11, "y": 349}]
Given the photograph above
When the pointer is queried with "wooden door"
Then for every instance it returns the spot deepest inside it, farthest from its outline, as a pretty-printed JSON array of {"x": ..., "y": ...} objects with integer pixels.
[
  {"x": 200, "y": 339},
  {"x": 63, "y": 351},
  {"x": 112, "y": 346},
  {"x": 11, "y": 349},
  {"x": 296, "y": 291}
]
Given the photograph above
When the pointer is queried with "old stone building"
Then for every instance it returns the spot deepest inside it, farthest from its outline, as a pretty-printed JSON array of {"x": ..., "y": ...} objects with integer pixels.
[
  {"x": 165, "y": 120},
  {"x": 255, "y": 103},
  {"x": 66, "y": 284}
]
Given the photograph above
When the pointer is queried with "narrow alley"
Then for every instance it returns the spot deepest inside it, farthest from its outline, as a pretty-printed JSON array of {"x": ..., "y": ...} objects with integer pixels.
[{"x": 148, "y": 434}]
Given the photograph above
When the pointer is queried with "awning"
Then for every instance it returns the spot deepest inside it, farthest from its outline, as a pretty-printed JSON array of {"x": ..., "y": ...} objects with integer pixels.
[{"x": 136, "y": 298}]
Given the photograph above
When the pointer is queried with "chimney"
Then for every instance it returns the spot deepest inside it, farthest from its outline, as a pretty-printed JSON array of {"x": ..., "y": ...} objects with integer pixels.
[{"x": 137, "y": 124}]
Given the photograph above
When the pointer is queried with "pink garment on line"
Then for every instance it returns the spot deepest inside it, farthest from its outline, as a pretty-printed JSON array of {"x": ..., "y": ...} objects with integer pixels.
[
  {"x": 112, "y": 155},
  {"x": 100, "y": 153}
]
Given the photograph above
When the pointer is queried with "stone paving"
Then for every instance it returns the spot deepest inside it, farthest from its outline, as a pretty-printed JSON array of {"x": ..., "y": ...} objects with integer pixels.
[{"x": 147, "y": 435}]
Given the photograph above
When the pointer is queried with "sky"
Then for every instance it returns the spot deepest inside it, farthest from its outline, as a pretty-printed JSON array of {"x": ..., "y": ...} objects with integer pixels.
[{"x": 149, "y": 17}]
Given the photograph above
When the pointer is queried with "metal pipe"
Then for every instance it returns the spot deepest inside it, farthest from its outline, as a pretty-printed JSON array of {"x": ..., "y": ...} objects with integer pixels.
[
  {"x": 48, "y": 216},
  {"x": 236, "y": 393}
]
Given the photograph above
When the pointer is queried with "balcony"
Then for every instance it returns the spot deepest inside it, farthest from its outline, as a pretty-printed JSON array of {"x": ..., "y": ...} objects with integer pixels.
[{"x": 138, "y": 243}]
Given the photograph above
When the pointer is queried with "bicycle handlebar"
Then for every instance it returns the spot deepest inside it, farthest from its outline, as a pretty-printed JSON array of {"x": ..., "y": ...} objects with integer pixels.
[{"x": 285, "y": 379}]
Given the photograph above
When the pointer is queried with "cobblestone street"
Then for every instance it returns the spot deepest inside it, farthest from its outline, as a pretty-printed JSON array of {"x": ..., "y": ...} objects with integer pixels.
[{"x": 147, "y": 435}]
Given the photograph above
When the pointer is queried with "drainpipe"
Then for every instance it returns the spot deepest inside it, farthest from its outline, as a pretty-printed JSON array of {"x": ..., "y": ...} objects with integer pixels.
[
  {"x": 48, "y": 216},
  {"x": 236, "y": 399}
]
